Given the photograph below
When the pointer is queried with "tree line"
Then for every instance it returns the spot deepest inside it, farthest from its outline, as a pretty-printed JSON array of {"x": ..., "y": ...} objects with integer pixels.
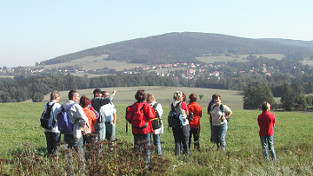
[{"x": 35, "y": 87}]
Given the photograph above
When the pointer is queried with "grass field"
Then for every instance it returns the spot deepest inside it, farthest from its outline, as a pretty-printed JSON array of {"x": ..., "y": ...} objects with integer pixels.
[
  {"x": 19, "y": 124},
  {"x": 125, "y": 95},
  {"x": 95, "y": 62}
]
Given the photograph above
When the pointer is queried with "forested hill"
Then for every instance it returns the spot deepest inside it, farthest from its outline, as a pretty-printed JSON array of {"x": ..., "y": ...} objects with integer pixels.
[
  {"x": 307, "y": 44},
  {"x": 183, "y": 47}
]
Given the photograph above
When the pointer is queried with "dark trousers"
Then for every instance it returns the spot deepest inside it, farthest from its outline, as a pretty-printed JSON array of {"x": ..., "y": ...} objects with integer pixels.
[
  {"x": 181, "y": 137},
  {"x": 195, "y": 132},
  {"x": 52, "y": 142}
]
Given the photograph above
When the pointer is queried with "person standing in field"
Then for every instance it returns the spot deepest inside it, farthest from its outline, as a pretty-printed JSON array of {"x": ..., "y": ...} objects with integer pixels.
[
  {"x": 53, "y": 136},
  {"x": 108, "y": 114},
  {"x": 220, "y": 113},
  {"x": 181, "y": 132},
  {"x": 211, "y": 103},
  {"x": 96, "y": 103},
  {"x": 266, "y": 121},
  {"x": 157, "y": 132},
  {"x": 139, "y": 115},
  {"x": 195, "y": 109},
  {"x": 92, "y": 120},
  {"x": 78, "y": 118}
]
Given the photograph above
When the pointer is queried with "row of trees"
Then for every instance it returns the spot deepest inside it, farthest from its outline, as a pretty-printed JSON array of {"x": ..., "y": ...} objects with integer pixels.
[{"x": 35, "y": 87}]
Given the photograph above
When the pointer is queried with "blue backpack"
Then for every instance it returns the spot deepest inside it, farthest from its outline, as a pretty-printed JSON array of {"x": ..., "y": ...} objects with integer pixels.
[
  {"x": 47, "y": 121},
  {"x": 65, "y": 126}
]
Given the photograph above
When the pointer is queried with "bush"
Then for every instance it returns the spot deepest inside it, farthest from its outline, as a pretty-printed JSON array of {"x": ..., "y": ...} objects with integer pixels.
[{"x": 121, "y": 161}]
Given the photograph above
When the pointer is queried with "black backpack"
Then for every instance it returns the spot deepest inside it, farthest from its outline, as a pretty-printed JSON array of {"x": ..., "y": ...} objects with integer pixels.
[
  {"x": 174, "y": 119},
  {"x": 156, "y": 122},
  {"x": 47, "y": 121}
]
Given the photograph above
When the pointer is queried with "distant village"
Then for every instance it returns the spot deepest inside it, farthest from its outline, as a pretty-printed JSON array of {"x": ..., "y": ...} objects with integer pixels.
[{"x": 180, "y": 70}]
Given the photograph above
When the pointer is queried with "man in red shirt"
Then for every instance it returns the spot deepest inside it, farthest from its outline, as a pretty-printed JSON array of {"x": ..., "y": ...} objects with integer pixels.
[{"x": 266, "y": 121}]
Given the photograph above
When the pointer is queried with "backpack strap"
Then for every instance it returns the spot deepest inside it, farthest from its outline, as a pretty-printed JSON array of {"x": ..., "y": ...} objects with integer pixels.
[
  {"x": 50, "y": 107},
  {"x": 222, "y": 107},
  {"x": 155, "y": 105},
  {"x": 177, "y": 105},
  {"x": 68, "y": 108}
]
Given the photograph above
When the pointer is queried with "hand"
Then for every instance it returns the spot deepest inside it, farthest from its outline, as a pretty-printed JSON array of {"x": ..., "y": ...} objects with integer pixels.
[{"x": 223, "y": 118}]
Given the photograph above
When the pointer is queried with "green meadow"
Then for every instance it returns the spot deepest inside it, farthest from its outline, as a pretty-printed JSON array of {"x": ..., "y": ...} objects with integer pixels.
[{"x": 19, "y": 125}]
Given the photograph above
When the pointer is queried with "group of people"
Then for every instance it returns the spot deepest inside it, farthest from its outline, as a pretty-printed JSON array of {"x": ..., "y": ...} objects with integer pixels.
[{"x": 98, "y": 117}]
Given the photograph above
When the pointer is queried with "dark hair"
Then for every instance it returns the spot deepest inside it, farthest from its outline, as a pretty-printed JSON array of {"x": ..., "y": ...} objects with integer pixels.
[
  {"x": 84, "y": 101},
  {"x": 217, "y": 96},
  {"x": 96, "y": 91},
  {"x": 71, "y": 94},
  {"x": 193, "y": 97},
  {"x": 214, "y": 96},
  {"x": 140, "y": 95}
]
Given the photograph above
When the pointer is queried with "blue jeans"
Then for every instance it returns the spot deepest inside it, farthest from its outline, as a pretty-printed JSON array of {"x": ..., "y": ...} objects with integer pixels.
[
  {"x": 141, "y": 146},
  {"x": 157, "y": 144},
  {"x": 220, "y": 135},
  {"x": 270, "y": 141},
  {"x": 52, "y": 140},
  {"x": 181, "y": 137}
]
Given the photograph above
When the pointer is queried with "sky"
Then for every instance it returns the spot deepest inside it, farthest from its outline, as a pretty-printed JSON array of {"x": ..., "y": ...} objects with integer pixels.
[{"x": 37, "y": 30}]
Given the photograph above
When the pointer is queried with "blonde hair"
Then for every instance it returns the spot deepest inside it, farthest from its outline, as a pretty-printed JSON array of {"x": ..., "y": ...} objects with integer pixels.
[
  {"x": 150, "y": 98},
  {"x": 54, "y": 95},
  {"x": 177, "y": 94},
  {"x": 266, "y": 106}
]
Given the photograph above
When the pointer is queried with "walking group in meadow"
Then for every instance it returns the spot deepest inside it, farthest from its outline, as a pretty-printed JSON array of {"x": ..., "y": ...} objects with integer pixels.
[{"x": 83, "y": 121}]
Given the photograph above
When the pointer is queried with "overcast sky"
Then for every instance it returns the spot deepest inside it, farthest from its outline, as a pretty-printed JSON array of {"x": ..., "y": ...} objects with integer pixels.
[{"x": 33, "y": 31}]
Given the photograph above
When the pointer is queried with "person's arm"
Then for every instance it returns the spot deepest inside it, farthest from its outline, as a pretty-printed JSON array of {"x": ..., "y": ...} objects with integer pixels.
[
  {"x": 228, "y": 111},
  {"x": 81, "y": 114},
  {"x": 228, "y": 115},
  {"x": 159, "y": 109},
  {"x": 184, "y": 108},
  {"x": 114, "y": 118},
  {"x": 200, "y": 111},
  {"x": 111, "y": 97}
]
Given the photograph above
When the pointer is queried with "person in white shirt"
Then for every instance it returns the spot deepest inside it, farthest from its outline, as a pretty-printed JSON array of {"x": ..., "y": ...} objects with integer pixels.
[{"x": 157, "y": 132}]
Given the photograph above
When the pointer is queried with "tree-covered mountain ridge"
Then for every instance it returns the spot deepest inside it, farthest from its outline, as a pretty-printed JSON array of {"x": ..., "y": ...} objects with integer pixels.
[{"x": 185, "y": 47}]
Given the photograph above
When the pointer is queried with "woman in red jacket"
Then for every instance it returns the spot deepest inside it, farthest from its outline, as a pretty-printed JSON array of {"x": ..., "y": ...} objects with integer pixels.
[
  {"x": 92, "y": 120},
  {"x": 140, "y": 115},
  {"x": 266, "y": 121},
  {"x": 195, "y": 109}
]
